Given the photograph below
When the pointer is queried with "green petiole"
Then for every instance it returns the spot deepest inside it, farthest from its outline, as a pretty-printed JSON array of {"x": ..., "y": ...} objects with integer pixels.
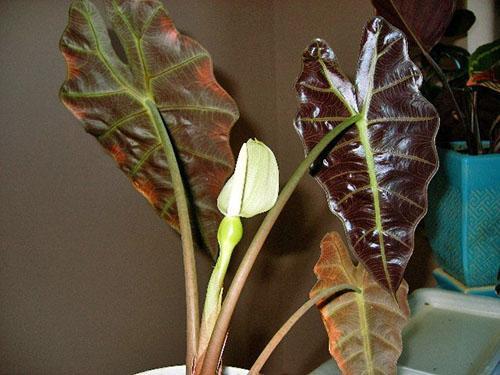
[{"x": 229, "y": 235}]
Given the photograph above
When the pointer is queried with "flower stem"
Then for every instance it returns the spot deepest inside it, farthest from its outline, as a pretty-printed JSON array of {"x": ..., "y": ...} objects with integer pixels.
[
  {"x": 191, "y": 283},
  {"x": 285, "y": 328},
  {"x": 229, "y": 234},
  {"x": 219, "y": 333}
]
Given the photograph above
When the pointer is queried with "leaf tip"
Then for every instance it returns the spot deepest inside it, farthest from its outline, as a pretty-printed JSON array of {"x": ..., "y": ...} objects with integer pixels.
[{"x": 318, "y": 49}]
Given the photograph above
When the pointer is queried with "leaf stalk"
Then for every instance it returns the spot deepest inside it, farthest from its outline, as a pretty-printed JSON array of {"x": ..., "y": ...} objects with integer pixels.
[
  {"x": 191, "y": 282},
  {"x": 294, "y": 318}
]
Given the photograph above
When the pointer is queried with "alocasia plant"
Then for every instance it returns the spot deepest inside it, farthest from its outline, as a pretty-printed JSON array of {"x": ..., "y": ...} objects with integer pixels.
[
  {"x": 376, "y": 176},
  {"x": 166, "y": 121}
]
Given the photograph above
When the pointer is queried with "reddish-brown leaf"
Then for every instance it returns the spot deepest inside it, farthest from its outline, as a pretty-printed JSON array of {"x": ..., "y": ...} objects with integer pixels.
[
  {"x": 364, "y": 328},
  {"x": 174, "y": 71},
  {"x": 376, "y": 175},
  {"x": 427, "y": 19}
]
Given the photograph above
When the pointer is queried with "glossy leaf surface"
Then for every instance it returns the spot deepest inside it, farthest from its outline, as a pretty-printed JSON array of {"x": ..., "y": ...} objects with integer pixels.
[
  {"x": 364, "y": 328},
  {"x": 174, "y": 71},
  {"x": 426, "y": 19},
  {"x": 484, "y": 66},
  {"x": 377, "y": 174}
]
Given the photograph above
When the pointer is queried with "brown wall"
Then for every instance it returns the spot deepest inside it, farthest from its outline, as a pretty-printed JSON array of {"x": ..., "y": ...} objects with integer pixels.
[{"x": 90, "y": 277}]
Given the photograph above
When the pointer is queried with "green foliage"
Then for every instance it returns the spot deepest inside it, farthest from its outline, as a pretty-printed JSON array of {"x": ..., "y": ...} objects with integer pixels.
[{"x": 484, "y": 66}]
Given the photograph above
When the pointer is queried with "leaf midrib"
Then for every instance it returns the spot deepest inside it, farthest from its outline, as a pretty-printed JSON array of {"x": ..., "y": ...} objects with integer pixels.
[
  {"x": 138, "y": 45},
  {"x": 362, "y": 126},
  {"x": 365, "y": 332}
]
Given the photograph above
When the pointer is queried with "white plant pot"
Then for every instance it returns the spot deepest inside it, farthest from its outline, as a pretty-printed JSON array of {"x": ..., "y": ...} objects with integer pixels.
[{"x": 181, "y": 370}]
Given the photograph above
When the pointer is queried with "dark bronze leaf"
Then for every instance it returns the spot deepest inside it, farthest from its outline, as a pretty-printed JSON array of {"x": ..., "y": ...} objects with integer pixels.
[
  {"x": 427, "y": 19},
  {"x": 461, "y": 22},
  {"x": 377, "y": 174},
  {"x": 172, "y": 70}
]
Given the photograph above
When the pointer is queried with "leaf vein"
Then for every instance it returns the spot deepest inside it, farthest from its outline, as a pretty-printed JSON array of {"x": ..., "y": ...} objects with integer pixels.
[
  {"x": 169, "y": 202},
  {"x": 401, "y": 196},
  {"x": 149, "y": 20},
  {"x": 394, "y": 83},
  {"x": 316, "y": 88},
  {"x": 195, "y": 108},
  {"x": 353, "y": 355},
  {"x": 144, "y": 158},
  {"x": 384, "y": 340},
  {"x": 364, "y": 235},
  {"x": 179, "y": 65},
  {"x": 343, "y": 174},
  {"x": 319, "y": 119},
  {"x": 336, "y": 306},
  {"x": 404, "y": 156},
  {"x": 356, "y": 191},
  {"x": 384, "y": 307},
  {"x": 346, "y": 338},
  {"x": 400, "y": 119},
  {"x": 79, "y": 49},
  {"x": 397, "y": 239},
  {"x": 387, "y": 48},
  {"x": 118, "y": 123},
  {"x": 333, "y": 88},
  {"x": 205, "y": 156},
  {"x": 345, "y": 143},
  {"x": 83, "y": 95}
]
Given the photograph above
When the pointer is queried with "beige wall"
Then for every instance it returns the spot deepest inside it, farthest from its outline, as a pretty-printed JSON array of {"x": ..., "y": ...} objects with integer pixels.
[
  {"x": 485, "y": 29},
  {"x": 90, "y": 277}
]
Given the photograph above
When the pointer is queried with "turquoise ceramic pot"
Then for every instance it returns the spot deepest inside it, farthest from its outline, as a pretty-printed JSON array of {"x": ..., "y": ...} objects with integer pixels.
[{"x": 463, "y": 221}]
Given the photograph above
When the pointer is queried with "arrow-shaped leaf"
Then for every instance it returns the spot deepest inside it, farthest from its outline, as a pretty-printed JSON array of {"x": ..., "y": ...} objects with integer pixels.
[
  {"x": 376, "y": 176},
  {"x": 364, "y": 328},
  {"x": 167, "y": 68}
]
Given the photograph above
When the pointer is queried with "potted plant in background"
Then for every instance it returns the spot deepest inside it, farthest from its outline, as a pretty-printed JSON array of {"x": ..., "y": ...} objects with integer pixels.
[
  {"x": 165, "y": 120},
  {"x": 463, "y": 224}
]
